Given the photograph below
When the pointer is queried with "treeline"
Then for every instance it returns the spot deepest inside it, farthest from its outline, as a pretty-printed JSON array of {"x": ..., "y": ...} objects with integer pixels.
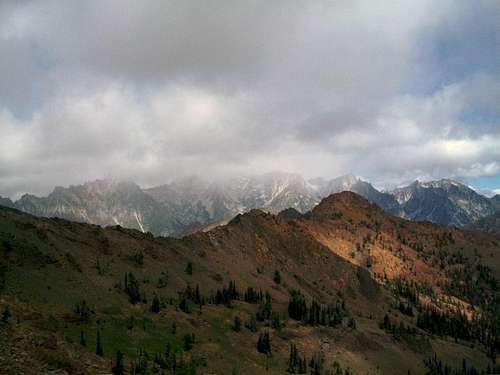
[
  {"x": 176, "y": 361},
  {"x": 474, "y": 284},
  {"x": 315, "y": 313},
  {"x": 190, "y": 295},
  {"x": 298, "y": 364},
  {"x": 455, "y": 325},
  {"x": 397, "y": 329},
  {"x": 435, "y": 366}
]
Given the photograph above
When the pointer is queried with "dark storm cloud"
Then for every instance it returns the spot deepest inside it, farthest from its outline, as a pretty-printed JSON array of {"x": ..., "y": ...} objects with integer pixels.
[{"x": 151, "y": 90}]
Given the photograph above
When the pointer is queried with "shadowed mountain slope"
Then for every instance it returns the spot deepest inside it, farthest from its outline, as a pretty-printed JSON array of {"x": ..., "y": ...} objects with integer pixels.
[{"x": 490, "y": 224}]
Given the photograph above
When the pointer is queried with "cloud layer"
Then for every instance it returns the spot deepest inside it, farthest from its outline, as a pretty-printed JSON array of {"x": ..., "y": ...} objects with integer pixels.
[{"x": 154, "y": 90}]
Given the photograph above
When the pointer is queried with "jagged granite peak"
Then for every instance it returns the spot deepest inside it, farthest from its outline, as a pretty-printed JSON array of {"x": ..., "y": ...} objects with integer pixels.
[
  {"x": 203, "y": 201},
  {"x": 490, "y": 224},
  {"x": 443, "y": 201},
  {"x": 6, "y": 202},
  {"x": 192, "y": 203},
  {"x": 104, "y": 202},
  {"x": 495, "y": 200},
  {"x": 277, "y": 191}
]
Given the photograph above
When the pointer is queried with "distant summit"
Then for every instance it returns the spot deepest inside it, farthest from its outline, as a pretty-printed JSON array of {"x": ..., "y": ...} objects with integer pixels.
[
  {"x": 444, "y": 202},
  {"x": 191, "y": 204}
]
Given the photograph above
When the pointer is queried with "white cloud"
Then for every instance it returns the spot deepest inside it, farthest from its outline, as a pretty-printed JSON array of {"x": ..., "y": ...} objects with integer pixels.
[{"x": 152, "y": 90}]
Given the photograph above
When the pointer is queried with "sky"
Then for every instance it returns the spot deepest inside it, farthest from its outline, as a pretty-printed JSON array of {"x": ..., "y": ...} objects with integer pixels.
[{"x": 152, "y": 91}]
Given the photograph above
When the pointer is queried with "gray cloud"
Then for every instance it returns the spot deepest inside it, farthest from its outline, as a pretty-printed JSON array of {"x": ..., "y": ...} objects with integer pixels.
[{"x": 153, "y": 90}]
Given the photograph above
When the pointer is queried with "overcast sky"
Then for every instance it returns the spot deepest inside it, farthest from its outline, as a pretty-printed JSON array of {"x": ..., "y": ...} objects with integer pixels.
[{"x": 154, "y": 90}]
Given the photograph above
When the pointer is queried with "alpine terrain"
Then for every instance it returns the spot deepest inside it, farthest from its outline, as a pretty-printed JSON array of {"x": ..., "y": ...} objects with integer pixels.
[
  {"x": 191, "y": 204},
  {"x": 345, "y": 288}
]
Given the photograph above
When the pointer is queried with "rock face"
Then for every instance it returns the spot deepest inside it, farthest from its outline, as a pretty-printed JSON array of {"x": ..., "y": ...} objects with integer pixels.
[
  {"x": 191, "y": 204},
  {"x": 363, "y": 188},
  {"x": 6, "y": 202},
  {"x": 196, "y": 201},
  {"x": 490, "y": 224},
  {"x": 444, "y": 202},
  {"x": 104, "y": 202},
  {"x": 495, "y": 200}
]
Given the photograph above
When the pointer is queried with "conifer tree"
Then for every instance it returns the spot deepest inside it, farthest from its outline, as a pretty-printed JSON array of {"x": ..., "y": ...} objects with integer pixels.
[
  {"x": 252, "y": 324},
  {"x": 277, "y": 277},
  {"x": 237, "y": 324},
  {"x": 82, "y": 339},
  {"x": 6, "y": 314},
  {"x": 155, "y": 305},
  {"x": 264, "y": 343},
  {"x": 189, "y": 268},
  {"x": 293, "y": 360},
  {"x": 132, "y": 289},
  {"x": 119, "y": 369},
  {"x": 98, "y": 349}
]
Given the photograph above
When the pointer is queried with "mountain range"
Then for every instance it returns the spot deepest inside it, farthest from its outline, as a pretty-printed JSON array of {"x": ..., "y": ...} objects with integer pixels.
[
  {"x": 192, "y": 204},
  {"x": 345, "y": 288}
]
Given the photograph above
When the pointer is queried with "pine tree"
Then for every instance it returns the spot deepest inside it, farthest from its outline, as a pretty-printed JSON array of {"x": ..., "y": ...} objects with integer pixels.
[
  {"x": 277, "y": 277},
  {"x": 252, "y": 324},
  {"x": 6, "y": 315},
  {"x": 82, "y": 339},
  {"x": 303, "y": 366},
  {"x": 132, "y": 289},
  {"x": 184, "y": 305},
  {"x": 264, "y": 343},
  {"x": 189, "y": 268},
  {"x": 265, "y": 309},
  {"x": 237, "y": 324},
  {"x": 119, "y": 369},
  {"x": 294, "y": 360},
  {"x": 155, "y": 305},
  {"x": 98, "y": 349},
  {"x": 188, "y": 342}
]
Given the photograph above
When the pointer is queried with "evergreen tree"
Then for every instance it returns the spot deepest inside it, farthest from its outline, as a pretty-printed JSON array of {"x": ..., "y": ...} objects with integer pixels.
[
  {"x": 252, "y": 296},
  {"x": 297, "y": 307},
  {"x": 276, "y": 321},
  {"x": 252, "y": 324},
  {"x": 188, "y": 342},
  {"x": 119, "y": 369},
  {"x": 303, "y": 366},
  {"x": 155, "y": 305},
  {"x": 265, "y": 309},
  {"x": 98, "y": 349},
  {"x": 189, "y": 268},
  {"x": 82, "y": 339},
  {"x": 132, "y": 289},
  {"x": 293, "y": 360},
  {"x": 82, "y": 311},
  {"x": 6, "y": 314},
  {"x": 237, "y": 324},
  {"x": 277, "y": 277},
  {"x": 264, "y": 343},
  {"x": 317, "y": 364},
  {"x": 184, "y": 305}
]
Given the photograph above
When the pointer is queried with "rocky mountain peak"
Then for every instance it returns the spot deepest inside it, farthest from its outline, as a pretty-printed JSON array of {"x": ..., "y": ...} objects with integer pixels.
[
  {"x": 192, "y": 203},
  {"x": 342, "y": 204}
]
